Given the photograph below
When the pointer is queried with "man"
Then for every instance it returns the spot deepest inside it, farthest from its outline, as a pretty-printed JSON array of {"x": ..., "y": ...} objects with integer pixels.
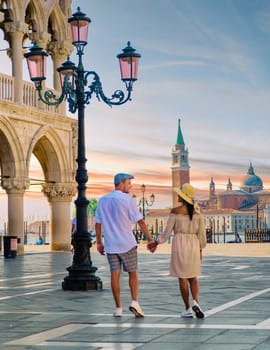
[
  {"x": 73, "y": 230},
  {"x": 115, "y": 214}
]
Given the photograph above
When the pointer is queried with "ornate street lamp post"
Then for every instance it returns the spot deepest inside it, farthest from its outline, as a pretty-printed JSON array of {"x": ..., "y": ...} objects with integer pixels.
[
  {"x": 143, "y": 202},
  {"x": 77, "y": 90}
]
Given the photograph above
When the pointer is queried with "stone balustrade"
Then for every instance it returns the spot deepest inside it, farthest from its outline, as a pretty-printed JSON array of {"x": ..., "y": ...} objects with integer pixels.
[
  {"x": 30, "y": 96},
  {"x": 6, "y": 87}
]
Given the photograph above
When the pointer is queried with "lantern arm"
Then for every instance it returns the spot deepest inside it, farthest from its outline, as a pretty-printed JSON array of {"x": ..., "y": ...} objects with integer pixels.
[
  {"x": 149, "y": 204},
  {"x": 95, "y": 87},
  {"x": 49, "y": 96},
  {"x": 144, "y": 201}
]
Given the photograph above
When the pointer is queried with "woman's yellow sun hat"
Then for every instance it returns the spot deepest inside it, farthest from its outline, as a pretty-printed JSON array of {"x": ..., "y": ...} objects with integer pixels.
[{"x": 186, "y": 192}]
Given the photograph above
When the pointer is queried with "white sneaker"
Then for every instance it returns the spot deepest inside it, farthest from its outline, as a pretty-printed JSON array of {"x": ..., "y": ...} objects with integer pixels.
[
  {"x": 136, "y": 309},
  {"x": 197, "y": 309},
  {"x": 118, "y": 312},
  {"x": 187, "y": 314}
]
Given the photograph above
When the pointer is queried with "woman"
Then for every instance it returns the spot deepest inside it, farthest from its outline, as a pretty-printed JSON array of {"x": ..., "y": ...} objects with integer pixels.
[{"x": 188, "y": 241}]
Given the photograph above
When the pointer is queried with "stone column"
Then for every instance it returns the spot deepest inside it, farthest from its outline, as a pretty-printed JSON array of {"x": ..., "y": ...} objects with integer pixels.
[
  {"x": 15, "y": 189},
  {"x": 60, "y": 196},
  {"x": 15, "y": 31}
]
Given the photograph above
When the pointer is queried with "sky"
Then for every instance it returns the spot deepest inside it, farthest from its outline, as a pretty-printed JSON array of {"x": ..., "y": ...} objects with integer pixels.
[{"x": 205, "y": 62}]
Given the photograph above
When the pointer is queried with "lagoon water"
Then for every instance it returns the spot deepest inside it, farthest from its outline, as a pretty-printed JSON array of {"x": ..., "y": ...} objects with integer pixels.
[{"x": 33, "y": 238}]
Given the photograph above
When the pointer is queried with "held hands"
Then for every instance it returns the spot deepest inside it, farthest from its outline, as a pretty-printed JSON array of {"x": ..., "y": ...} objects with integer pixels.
[{"x": 152, "y": 246}]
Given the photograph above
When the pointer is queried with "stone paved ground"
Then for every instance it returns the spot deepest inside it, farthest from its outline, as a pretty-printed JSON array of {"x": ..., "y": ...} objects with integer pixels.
[{"x": 36, "y": 314}]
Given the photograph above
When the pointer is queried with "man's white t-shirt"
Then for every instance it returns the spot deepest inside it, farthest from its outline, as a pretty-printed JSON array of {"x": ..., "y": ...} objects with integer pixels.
[
  {"x": 117, "y": 211},
  {"x": 74, "y": 225}
]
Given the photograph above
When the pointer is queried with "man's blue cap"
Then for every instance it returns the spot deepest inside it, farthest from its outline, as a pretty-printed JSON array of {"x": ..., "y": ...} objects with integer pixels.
[{"x": 121, "y": 178}]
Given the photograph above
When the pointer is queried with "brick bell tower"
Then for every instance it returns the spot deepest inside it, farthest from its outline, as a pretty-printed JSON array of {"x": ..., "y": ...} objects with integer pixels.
[{"x": 180, "y": 165}]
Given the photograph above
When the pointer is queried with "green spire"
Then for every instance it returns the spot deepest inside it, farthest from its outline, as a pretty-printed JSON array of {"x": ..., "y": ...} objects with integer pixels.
[{"x": 180, "y": 139}]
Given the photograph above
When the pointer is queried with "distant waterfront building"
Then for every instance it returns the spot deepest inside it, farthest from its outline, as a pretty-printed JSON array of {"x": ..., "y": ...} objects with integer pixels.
[
  {"x": 249, "y": 194},
  {"x": 247, "y": 197},
  {"x": 226, "y": 212},
  {"x": 267, "y": 215},
  {"x": 224, "y": 222}
]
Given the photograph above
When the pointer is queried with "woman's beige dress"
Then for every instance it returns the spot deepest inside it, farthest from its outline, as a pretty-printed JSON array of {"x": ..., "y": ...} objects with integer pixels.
[{"x": 189, "y": 237}]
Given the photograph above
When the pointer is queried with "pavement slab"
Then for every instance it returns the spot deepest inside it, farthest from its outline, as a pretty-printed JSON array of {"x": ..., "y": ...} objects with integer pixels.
[{"x": 36, "y": 314}]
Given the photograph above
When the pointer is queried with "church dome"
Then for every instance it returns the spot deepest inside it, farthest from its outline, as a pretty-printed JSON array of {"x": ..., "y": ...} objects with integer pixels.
[{"x": 251, "y": 182}]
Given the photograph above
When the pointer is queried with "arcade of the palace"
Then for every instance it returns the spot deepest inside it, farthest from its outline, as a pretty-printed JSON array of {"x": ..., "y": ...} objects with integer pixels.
[{"x": 29, "y": 127}]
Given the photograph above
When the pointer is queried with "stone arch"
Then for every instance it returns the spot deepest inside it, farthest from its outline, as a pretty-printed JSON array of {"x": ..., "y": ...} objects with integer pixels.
[
  {"x": 59, "y": 187},
  {"x": 11, "y": 151},
  {"x": 7, "y": 16},
  {"x": 7, "y": 163},
  {"x": 47, "y": 22},
  {"x": 56, "y": 25},
  {"x": 13, "y": 10},
  {"x": 47, "y": 146},
  {"x": 65, "y": 6},
  {"x": 35, "y": 14}
]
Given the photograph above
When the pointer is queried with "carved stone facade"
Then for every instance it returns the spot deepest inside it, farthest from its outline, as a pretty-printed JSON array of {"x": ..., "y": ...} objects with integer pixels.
[{"x": 27, "y": 126}]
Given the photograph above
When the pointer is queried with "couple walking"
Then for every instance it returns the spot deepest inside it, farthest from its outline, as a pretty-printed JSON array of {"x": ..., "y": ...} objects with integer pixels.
[{"x": 115, "y": 214}]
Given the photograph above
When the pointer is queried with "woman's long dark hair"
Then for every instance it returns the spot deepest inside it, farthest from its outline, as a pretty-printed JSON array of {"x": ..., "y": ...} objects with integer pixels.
[{"x": 190, "y": 209}]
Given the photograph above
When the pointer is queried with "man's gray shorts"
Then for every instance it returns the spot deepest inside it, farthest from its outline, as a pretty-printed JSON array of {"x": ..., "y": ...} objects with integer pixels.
[{"x": 128, "y": 260}]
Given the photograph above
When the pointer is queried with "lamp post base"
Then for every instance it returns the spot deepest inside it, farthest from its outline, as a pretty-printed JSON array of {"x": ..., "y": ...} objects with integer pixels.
[{"x": 82, "y": 278}]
